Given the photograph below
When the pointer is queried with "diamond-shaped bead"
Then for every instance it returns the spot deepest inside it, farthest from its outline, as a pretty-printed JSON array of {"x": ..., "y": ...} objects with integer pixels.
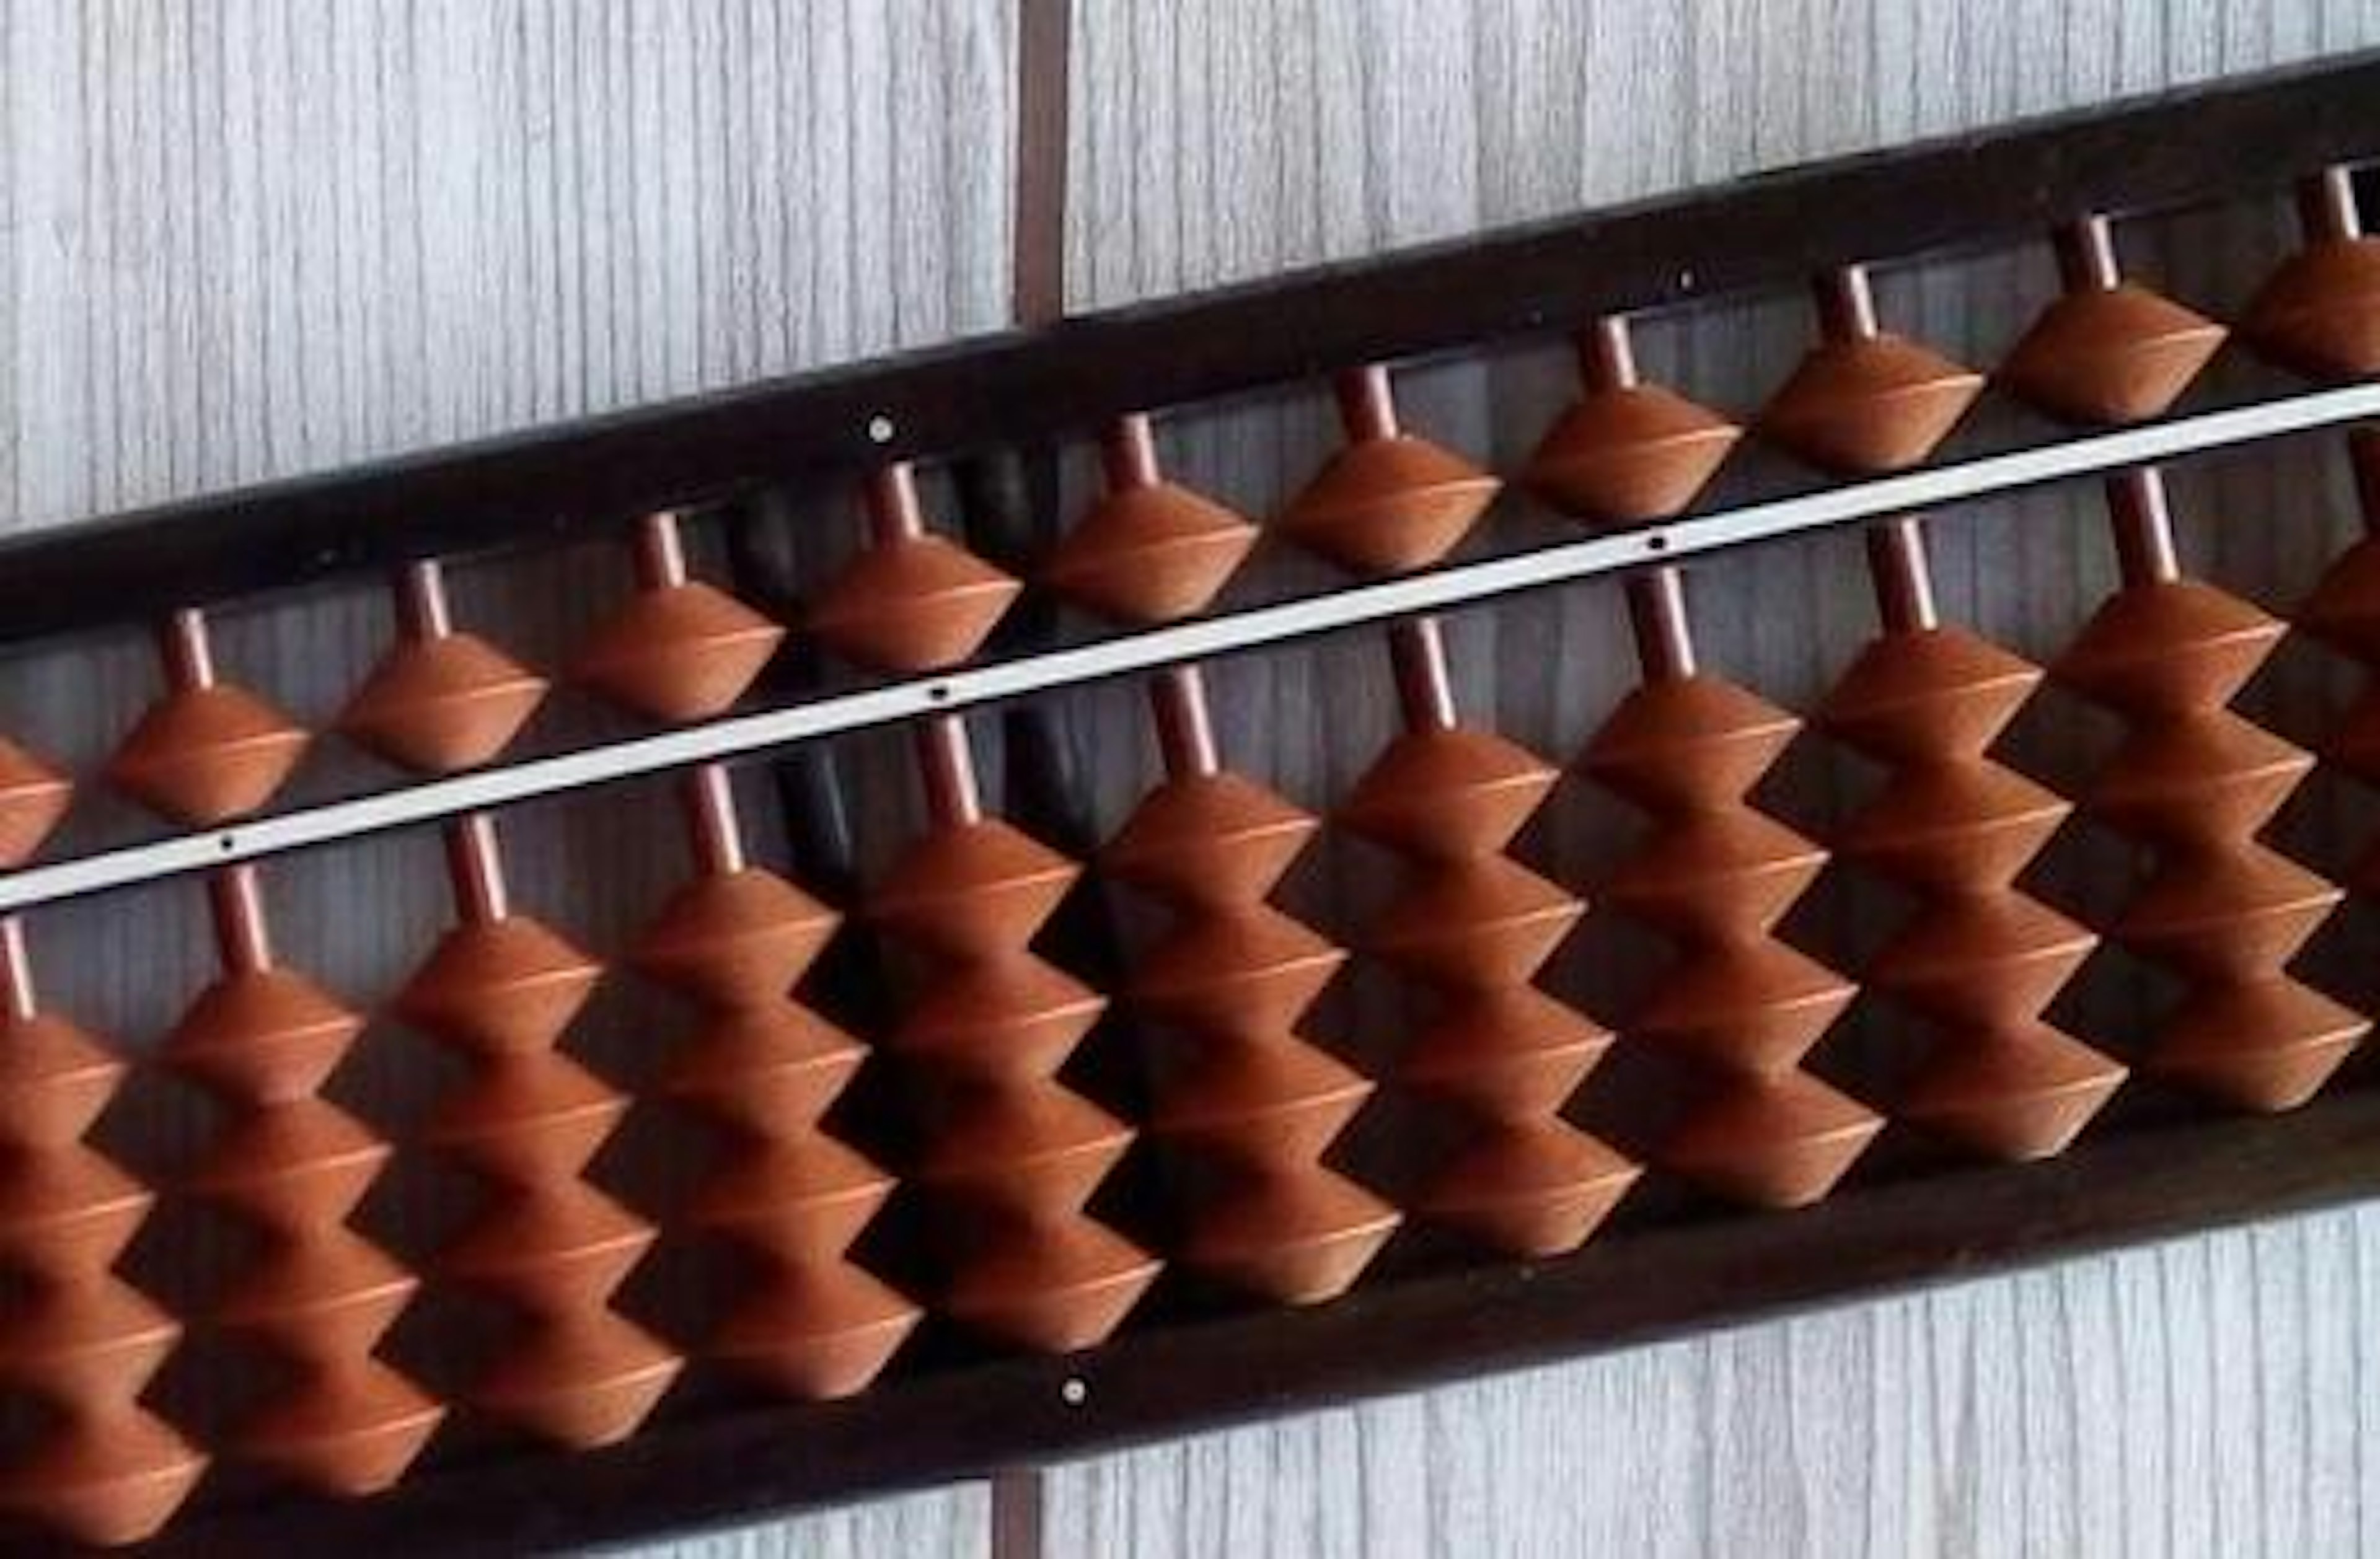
[
  {"x": 202, "y": 754},
  {"x": 681, "y": 652},
  {"x": 1870, "y": 403},
  {"x": 913, "y": 603},
  {"x": 2116, "y": 354},
  {"x": 443, "y": 704}
]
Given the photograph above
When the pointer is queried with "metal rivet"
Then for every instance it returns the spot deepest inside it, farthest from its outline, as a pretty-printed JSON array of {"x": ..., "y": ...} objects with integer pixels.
[
  {"x": 880, "y": 429},
  {"x": 1074, "y": 1394}
]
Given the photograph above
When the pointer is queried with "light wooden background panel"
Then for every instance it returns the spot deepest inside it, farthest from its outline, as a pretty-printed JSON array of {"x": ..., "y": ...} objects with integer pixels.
[{"x": 245, "y": 239}]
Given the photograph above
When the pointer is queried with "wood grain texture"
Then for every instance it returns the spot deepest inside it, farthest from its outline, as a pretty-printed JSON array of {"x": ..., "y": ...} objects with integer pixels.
[
  {"x": 2211, "y": 1397},
  {"x": 952, "y": 1523}
]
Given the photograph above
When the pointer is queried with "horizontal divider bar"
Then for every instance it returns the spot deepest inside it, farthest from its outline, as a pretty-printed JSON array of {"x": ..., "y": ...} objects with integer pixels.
[
  {"x": 1024, "y": 389},
  {"x": 1230, "y": 633}
]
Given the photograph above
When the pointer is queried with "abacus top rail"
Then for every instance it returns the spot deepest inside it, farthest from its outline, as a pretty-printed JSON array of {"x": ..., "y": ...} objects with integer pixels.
[{"x": 1027, "y": 388}]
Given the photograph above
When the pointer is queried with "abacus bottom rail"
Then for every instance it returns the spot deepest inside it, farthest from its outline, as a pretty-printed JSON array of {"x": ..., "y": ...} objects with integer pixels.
[{"x": 1624, "y": 1289}]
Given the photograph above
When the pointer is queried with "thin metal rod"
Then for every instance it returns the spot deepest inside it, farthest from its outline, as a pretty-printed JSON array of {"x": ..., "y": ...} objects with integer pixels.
[
  {"x": 2086, "y": 256},
  {"x": 1417, "y": 650},
  {"x": 1657, "y": 611},
  {"x": 1368, "y": 407},
  {"x": 2144, "y": 527},
  {"x": 1131, "y": 654},
  {"x": 893, "y": 511},
  {"x": 421, "y": 600},
  {"x": 1185, "y": 725},
  {"x": 2326, "y": 206},
  {"x": 946, "y": 767},
  {"x": 1607, "y": 354},
  {"x": 1897, "y": 565},
  {"x": 475, "y": 862},
  {"x": 660, "y": 551},
  {"x": 1846, "y": 304},
  {"x": 1657, "y": 596},
  {"x": 182, "y": 643},
  {"x": 1128, "y": 453},
  {"x": 18, "y": 997},
  {"x": 712, "y": 825},
  {"x": 1903, "y": 575},
  {"x": 242, "y": 932},
  {"x": 242, "y": 937},
  {"x": 1177, "y": 694},
  {"x": 2137, "y": 510}
]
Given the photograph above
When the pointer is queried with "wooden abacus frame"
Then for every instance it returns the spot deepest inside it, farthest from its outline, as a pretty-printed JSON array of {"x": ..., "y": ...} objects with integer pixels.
[{"x": 1024, "y": 391}]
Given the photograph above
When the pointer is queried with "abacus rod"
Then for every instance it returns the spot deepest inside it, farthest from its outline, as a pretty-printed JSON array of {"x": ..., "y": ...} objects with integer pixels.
[
  {"x": 1657, "y": 596},
  {"x": 1656, "y": 614},
  {"x": 712, "y": 825},
  {"x": 1898, "y": 565},
  {"x": 1417, "y": 649},
  {"x": 19, "y": 996},
  {"x": 1368, "y": 409},
  {"x": 946, "y": 769},
  {"x": 234, "y": 900},
  {"x": 475, "y": 863},
  {"x": 2327, "y": 205},
  {"x": 2144, "y": 527},
  {"x": 1177, "y": 694},
  {"x": 182, "y": 644},
  {"x": 2328, "y": 209},
  {"x": 2086, "y": 255},
  {"x": 1846, "y": 304},
  {"x": 237, "y": 899},
  {"x": 1128, "y": 453},
  {"x": 2136, "y": 498},
  {"x": 2363, "y": 453},
  {"x": 1185, "y": 725},
  {"x": 707, "y": 795},
  {"x": 660, "y": 551},
  {"x": 945, "y": 758},
  {"x": 1367, "y": 404},
  {"x": 1903, "y": 575},
  {"x": 893, "y": 514},
  {"x": 1132, "y": 653},
  {"x": 1607, "y": 354},
  {"x": 421, "y": 610}
]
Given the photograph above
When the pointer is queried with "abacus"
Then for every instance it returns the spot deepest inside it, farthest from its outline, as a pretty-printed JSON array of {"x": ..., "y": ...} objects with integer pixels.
[{"x": 1333, "y": 1094}]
